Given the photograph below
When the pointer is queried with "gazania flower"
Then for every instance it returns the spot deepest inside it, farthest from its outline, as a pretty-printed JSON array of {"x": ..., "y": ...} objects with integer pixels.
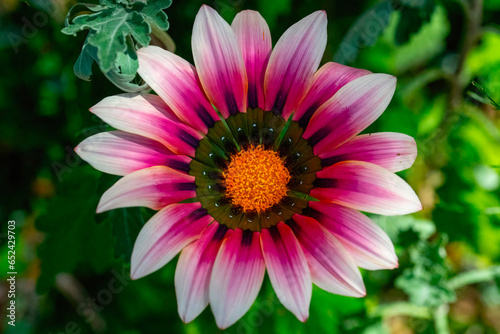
[{"x": 254, "y": 162}]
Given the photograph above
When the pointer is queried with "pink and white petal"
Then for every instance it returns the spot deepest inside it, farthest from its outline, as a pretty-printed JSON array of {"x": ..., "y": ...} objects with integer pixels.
[
  {"x": 332, "y": 267},
  {"x": 175, "y": 80},
  {"x": 351, "y": 110},
  {"x": 287, "y": 269},
  {"x": 192, "y": 274},
  {"x": 153, "y": 187},
  {"x": 219, "y": 62},
  {"x": 393, "y": 151},
  {"x": 292, "y": 63},
  {"x": 148, "y": 116},
  {"x": 327, "y": 81},
  {"x": 236, "y": 277},
  {"x": 254, "y": 38},
  {"x": 366, "y": 187},
  {"x": 165, "y": 235},
  {"x": 121, "y": 153},
  {"x": 368, "y": 244}
]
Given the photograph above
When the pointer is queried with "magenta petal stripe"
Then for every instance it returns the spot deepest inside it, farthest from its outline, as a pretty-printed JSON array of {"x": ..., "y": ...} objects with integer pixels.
[
  {"x": 393, "y": 151},
  {"x": 366, "y": 187},
  {"x": 287, "y": 269},
  {"x": 192, "y": 274},
  {"x": 254, "y": 38},
  {"x": 121, "y": 153},
  {"x": 368, "y": 244},
  {"x": 327, "y": 81},
  {"x": 219, "y": 62},
  {"x": 351, "y": 110},
  {"x": 148, "y": 116},
  {"x": 226, "y": 150},
  {"x": 176, "y": 82},
  {"x": 332, "y": 268},
  {"x": 292, "y": 64},
  {"x": 236, "y": 277},
  {"x": 153, "y": 187},
  {"x": 165, "y": 235}
]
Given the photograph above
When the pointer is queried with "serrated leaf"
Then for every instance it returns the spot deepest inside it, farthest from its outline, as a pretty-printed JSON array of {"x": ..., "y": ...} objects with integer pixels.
[
  {"x": 117, "y": 29},
  {"x": 111, "y": 39},
  {"x": 154, "y": 13}
]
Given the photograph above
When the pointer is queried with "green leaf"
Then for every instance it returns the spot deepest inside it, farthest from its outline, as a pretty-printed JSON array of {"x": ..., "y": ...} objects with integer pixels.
[
  {"x": 427, "y": 282},
  {"x": 374, "y": 20},
  {"x": 154, "y": 14},
  {"x": 116, "y": 30},
  {"x": 83, "y": 65},
  {"x": 485, "y": 94},
  {"x": 127, "y": 62},
  {"x": 73, "y": 238},
  {"x": 413, "y": 15},
  {"x": 126, "y": 224}
]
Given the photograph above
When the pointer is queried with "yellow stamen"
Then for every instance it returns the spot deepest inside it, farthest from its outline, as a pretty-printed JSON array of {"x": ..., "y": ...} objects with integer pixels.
[{"x": 256, "y": 179}]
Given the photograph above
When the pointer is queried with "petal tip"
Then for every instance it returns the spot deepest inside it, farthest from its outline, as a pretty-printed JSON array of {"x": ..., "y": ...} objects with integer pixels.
[{"x": 102, "y": 206}]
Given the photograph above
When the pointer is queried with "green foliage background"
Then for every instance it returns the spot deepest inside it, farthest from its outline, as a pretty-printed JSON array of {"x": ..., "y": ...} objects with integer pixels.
[{"x": 72, "y": 264}]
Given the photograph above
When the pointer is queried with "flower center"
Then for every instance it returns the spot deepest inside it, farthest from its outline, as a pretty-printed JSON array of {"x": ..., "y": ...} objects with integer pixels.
[{"x": 256, "y": 179}]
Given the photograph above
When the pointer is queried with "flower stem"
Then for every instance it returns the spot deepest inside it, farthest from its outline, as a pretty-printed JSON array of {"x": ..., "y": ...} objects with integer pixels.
[{"x": 474, "y": 276}]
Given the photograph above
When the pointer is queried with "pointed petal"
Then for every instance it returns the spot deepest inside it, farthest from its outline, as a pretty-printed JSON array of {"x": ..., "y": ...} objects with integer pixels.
[
  {"x": 366, "y": 187},
  {"x": 368, "y": 244},
  {"x": 164, "y": 235},
  {"x": 153, "y": 187},
  {"x": 254, "y": 38},
  {"x": 236, "y": 277},
  {"x": 192, "y": 274},
  {"x": 287, "y": 269},
  {"x": 219, "y": 62},
  {"x": 332, "y": 268},
  {"x": 121, "y": 153},
  {"x": 327, "y": 81},
  {"x": 353, "y": 108},
  {"x": 175, "y": 80},
  {"x": 393, "y": 151},
  {"x": 148, "y": 116},
  {"x": 293, "y": 61}
]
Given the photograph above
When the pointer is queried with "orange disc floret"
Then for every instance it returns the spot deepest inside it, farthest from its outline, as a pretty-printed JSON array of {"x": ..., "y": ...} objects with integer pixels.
[{"x": 256, "y": 179}]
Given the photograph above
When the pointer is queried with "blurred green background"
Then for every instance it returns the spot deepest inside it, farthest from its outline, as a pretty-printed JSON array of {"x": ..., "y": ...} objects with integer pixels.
[{"x": 72, "y": 264}]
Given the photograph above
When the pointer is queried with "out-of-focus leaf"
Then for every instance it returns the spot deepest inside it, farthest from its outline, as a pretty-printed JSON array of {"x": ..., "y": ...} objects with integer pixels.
[
  {"x": 364, "y": 32},
  {"x": 271, "y": 10},
  {"x": 413, "y": 15},
  {"x": 127, "y": 223},
  {"x": 405, "y": 230},
  {"x": 73, "y": 239},
  {"x": 426, "y": 282},
  {"x": 426, "y": 42}
]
